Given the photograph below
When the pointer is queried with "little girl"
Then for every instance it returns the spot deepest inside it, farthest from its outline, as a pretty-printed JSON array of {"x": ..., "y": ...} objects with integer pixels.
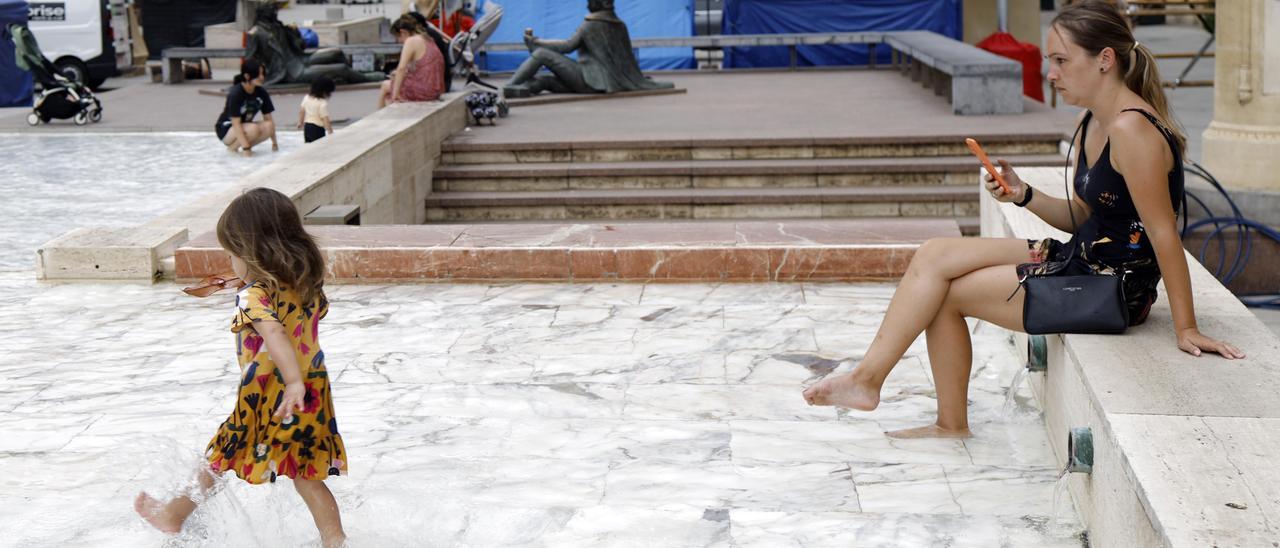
[
  {"x": 283, "y": 422},
  {"x": 313, "y": 115}
]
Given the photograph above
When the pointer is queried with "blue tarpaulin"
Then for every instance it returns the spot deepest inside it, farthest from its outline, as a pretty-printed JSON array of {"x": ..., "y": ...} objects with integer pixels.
[
  {"x": 795, "y": 16},
  {"x": 15, "y": 83},
  {"x": 558, "y": 19}
]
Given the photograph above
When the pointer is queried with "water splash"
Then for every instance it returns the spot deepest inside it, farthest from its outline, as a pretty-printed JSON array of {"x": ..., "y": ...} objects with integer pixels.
[
  {"x": 1011, "y": 397},
  {"x": 1056, "y": 528}
]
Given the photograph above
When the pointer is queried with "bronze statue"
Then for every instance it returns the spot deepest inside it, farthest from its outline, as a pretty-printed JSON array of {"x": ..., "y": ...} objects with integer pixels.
[
  {"x": 280, "y": 49},
  {"x": 606, "y": 63}
]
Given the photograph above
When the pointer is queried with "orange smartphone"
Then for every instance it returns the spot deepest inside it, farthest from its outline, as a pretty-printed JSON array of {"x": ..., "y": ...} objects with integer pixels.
[{"x": 982, "y": 155}]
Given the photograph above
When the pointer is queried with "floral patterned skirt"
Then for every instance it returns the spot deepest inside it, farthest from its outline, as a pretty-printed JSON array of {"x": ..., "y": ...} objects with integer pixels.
[{"x": 259, "y": 447}]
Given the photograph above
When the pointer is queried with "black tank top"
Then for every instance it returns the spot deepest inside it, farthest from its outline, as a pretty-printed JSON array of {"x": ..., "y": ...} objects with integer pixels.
[{"x": 1113, "y": 235}]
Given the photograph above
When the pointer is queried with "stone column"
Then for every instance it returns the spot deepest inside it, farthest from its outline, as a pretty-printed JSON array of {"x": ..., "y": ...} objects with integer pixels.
[{"x": 1242, "y": 145}]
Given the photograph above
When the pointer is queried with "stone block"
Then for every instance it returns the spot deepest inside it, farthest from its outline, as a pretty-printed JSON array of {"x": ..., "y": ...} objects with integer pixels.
[
  {"x": 986, "y": 94},
  {"x": 100, "y": 253}
]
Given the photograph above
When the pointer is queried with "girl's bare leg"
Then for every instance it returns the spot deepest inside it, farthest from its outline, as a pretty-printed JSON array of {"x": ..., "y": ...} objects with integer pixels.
[
  {"x": 169, "y": 516},
  {"x": 914, "y": 307},
  {"x": 979, "y": 294},
  {"x": 324, "y": 510}
]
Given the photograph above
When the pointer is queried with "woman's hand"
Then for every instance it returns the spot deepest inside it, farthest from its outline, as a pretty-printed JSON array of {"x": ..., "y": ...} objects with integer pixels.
[
  {"x": 295, "y": 395},
  {"x": 1017, "y": 188},
  {"x": 1191, "y": 341}
]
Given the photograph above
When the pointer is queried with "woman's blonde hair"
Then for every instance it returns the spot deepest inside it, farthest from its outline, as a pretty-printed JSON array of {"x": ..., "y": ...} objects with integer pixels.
[
  {"x": 1095, "y": 25},
  {"x": 263, "y": 228}
]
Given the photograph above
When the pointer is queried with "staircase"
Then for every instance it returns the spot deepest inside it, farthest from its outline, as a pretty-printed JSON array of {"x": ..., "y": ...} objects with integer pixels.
[{"x": 911, "y": 177}]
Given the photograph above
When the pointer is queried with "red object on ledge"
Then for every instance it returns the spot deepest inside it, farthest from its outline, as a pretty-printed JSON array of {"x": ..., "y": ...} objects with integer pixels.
[{"x": 1005, "y": 45}]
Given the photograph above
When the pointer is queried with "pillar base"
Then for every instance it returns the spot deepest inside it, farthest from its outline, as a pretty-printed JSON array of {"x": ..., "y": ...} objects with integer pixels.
[{"x": 1243, "y": 156}]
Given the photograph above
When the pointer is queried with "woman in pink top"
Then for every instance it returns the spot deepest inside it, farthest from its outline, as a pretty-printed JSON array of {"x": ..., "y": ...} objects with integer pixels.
[{"x": 420, "y": 74}]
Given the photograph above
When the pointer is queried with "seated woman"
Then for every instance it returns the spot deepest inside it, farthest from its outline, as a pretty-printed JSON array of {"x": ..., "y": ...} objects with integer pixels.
[
  {"x": 245, "y": 99},
  {"x": 420, "y": 74},
  {"x": 1128, "y": 184}
]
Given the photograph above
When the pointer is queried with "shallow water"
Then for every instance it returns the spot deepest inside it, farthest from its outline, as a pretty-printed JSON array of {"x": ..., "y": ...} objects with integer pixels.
[{"x": 54, "y": 183}]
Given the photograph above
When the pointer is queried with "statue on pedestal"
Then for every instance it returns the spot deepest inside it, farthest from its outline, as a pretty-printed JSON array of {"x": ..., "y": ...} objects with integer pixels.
[
  {"x": 281, "y": 50},
  {"x": 606, "y": 63}
]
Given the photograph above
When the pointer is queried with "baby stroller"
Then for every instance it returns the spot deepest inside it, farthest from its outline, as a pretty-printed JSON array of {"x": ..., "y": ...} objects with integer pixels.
[
  {"x": 60, "y": 97},
  {"x": 482, "y": 104}
]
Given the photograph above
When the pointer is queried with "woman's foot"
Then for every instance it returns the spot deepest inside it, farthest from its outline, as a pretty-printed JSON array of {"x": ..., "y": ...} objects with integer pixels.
[
  {"x": 851, "y": 391},
  {"x": 931, "y": 431},
  {"x": 157, "y": 514}
]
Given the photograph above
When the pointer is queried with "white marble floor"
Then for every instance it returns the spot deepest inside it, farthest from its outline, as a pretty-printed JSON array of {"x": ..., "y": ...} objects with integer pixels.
[{"x": 543, "y": 415}]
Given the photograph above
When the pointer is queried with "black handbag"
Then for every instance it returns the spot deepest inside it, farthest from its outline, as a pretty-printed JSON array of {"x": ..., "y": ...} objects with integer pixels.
[{"x": 1088, "y": 304}]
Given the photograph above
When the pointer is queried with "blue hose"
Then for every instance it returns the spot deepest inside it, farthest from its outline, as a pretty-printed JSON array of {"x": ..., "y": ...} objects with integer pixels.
[{"x": 1244, "y": 240}]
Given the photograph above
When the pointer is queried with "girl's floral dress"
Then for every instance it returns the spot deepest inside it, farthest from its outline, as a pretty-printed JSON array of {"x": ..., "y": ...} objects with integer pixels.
[{"x": 252, "y": 442}]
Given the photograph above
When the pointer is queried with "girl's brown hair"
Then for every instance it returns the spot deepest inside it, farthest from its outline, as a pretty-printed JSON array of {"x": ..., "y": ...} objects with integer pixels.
[
  {"x": 410, "y": 23},
  {"x": 263, "y": 228},
  {"x": 1095, "y": 25}
]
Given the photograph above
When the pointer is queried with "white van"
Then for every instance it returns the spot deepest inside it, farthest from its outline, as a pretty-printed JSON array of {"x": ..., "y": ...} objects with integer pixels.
[{"x": 76, "y": 35}]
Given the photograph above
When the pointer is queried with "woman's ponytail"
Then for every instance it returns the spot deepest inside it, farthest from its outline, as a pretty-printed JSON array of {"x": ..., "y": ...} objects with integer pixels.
[{"x": 1143, "y": 78}]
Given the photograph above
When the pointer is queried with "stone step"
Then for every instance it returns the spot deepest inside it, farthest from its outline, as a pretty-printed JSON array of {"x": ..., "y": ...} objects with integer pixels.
[
  {"x": 459, "y": 150},
  {"x": 706, "y": 203},
  {"x": 683, "y": 251},
  {"x": 676, "y": 174}
]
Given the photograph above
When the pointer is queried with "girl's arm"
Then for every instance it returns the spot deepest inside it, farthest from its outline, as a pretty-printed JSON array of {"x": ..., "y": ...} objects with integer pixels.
[
  {"x": 275, "y": 145},
  {"x": 328, "y": 126},
  {"x": 1140, "y": 153},
  {"x": 280, "y": 348},
  {"x": 302, "y": 116}
]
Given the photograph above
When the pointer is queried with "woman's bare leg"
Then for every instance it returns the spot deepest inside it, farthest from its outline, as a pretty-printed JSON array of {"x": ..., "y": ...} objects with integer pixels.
[
  {"x": 169, "y": 516},
  {"x": 324, "y": 510},
  {"x": 913, "y": 308},
  {"x": 980, "y": 294}
]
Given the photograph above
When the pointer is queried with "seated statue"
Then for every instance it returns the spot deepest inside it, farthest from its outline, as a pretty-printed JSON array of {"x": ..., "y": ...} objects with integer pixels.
[
  {"x": 606, "y": 63},
  {"x": 281, "y": 50}
]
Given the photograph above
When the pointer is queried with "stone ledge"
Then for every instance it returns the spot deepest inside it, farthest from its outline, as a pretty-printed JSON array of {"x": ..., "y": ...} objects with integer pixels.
[
  {"x": 790, "y": 251},
  {"x": 463, "y": 143},
  {"x": 382, "y": 163},
  {"x": 98, "y": 253},
  {"x": 788, "y": 166},
  {"x": 1176, "y": 438}
]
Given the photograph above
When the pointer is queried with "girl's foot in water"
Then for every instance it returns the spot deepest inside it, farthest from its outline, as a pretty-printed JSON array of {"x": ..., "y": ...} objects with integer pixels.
[{"x": 157, "y": 514}]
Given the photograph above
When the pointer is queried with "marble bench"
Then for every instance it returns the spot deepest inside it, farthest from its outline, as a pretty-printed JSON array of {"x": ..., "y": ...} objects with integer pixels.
[{"x": 1184, "y": 448}]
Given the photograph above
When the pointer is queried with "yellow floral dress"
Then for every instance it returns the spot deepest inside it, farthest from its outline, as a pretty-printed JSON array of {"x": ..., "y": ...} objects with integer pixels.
[{"x": 252, "y": 442}]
